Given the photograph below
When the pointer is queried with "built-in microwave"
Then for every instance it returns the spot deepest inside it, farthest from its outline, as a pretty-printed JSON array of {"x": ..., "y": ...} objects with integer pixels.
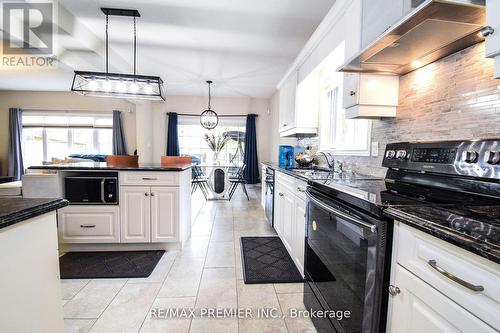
[{"x": 92, "y": 189}]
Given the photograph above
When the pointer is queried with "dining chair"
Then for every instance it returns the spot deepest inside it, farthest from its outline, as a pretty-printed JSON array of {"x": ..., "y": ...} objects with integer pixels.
[
  {"x": 199, "y": 180},
  {"x": 239, "y": 179}
]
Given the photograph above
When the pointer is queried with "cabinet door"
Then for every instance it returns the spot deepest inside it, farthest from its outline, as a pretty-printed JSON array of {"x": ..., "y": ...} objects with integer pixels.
[
  {"x": 288, "y": 220},
  {"x": 287, "y": 102},
  {"x": 350, "y": 90},
  {"x": 135, "y": 214},
  {"x": 379, "y": 16},
  {"x": 421, "y": 308},
  {"x": 299, "y": 233},
  {"x": 278, "y": 207},
  {"x": 493, "y": 20},
  {"x": 164, "y": 214}
]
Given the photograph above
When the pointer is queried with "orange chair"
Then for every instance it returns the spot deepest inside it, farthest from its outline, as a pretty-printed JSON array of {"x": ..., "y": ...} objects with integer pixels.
[
  {"x": 170, "y": 160},
  {"x": 122, "y": 161}
]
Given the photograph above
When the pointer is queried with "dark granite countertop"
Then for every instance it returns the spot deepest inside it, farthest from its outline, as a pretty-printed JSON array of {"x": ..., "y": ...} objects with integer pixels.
[
  {"x": 14, "y": 210},
  {"x": 304, "y": 174},
  {"x": 104, "y": 166},
  {"x": 473, "y": 228}
]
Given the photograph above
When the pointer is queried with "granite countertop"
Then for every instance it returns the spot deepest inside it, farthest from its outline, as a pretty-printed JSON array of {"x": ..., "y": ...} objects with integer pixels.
[
  {"x": 473, "y": 228},
  {"x": 15, "y": 210},
  {"x": 304, "y": 174},
  {"x": 104, "y": 166}
]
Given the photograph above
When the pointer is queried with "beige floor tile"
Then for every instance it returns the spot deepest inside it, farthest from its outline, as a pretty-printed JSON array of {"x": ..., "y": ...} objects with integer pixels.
[
  {"x": 70, "y": 287},
  {"x": 222, "y": 233},
  {"x": 220, "y": 254},
  {"x": 217, "y": 289},
  {"x": 256, "y": 296},
  {"x": 262, "y": 325},
  {"x": 168, "y": 325},
  {"x": 183, "y": 279},
  {"x": 202, "y": 228},
  {"x": 91, "y": 301},
  {"x": 64, "y": 301},
  {"x": 289, "y": 288},
  {"x": 128, "y": 309},
  {"x": 161, "y": 270},
  {"x": 295, "y": 325},
  {"x": 203, "y": 325},
  {"x": 195, "y": 247},
  {"x": 78, "y": 325}
]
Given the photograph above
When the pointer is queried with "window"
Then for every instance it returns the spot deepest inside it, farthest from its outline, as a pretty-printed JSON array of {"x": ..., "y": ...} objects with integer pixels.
[
  {"x": 339, "y": 135},
  {"x": 191, "y": 140},
  {"x": 56, "y": 135}
]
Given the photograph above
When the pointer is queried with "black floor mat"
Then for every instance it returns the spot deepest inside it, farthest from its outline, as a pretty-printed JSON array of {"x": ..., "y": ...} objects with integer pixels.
[
  {"x": 266, "y": 260},
  {"x": 113, "y": 264}
]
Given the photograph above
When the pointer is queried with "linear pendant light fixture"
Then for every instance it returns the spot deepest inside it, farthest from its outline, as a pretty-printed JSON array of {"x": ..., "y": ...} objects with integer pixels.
[
  {"x": 209, "y": 118},
  {"x": 106, "y": 84}
]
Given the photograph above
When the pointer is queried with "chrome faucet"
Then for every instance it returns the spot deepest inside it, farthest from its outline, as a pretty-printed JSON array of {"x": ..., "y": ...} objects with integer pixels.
[{"x": 331, "y": 164}]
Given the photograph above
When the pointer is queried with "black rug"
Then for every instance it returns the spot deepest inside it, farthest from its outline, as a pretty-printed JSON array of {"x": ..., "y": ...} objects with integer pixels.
[
  {"x": 266, "y": 260},
  {"x": 113, "y": 264}
]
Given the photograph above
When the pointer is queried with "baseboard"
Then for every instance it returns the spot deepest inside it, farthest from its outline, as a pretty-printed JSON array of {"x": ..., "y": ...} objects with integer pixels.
[{"x": 119, "y": 247}]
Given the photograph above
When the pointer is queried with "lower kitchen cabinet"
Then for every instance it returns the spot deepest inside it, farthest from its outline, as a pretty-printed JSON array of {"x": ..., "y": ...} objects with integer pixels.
[
  {"x": 420, "y": 308},
  {"x": 135, "y": 211},
  {"x": 164, "y": 214},
  {"x": 149, "y": 214},
  {"x": 289, "y": 216}
]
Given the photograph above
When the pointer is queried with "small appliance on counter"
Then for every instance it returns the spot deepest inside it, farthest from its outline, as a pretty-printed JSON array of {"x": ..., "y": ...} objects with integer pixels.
[
  {"x": 286, "y": 156},
  {"x": 92, "y": 188}
]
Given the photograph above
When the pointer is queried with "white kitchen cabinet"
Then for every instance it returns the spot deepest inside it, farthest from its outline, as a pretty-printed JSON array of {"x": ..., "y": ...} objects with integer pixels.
[
  {"x": 362, "y": 97},
  {"x": 263, "y": 187},
  {"x": 380, "y": 15},
  {"x": 420, "y": 308},
  {"x": 289, "y": 218},
  {"x": 430, "y": 301},
  {"x": 287, "y": 103},
  {"x": 493, "y": 41},
  {"x": 135, "y": 212},
  {"x": 164, "y": 214},
  {"x": 89, "y": 224}
]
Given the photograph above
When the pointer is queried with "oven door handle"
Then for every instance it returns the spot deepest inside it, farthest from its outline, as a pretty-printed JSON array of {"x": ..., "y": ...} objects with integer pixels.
[{"x": 358, "y": 222}]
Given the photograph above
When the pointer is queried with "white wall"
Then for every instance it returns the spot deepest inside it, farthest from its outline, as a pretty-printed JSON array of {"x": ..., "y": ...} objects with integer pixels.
[{"x": 61, "y": 101}]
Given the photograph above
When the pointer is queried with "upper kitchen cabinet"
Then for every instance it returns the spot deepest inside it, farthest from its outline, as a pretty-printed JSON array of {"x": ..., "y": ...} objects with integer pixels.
[
  {"x": 370, "y": 95},
  {"x": 298, "y": 106},
  {"x": 493, "y": 39}
]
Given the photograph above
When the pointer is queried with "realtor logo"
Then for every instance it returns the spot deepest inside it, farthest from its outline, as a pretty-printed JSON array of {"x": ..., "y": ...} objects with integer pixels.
[{"x": 27, "y": 28}]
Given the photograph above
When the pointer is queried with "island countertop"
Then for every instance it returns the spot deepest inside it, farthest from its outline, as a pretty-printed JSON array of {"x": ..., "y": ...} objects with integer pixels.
[
  {"x": 105, "y": 166},
  {"x": 15, "y": 210}
]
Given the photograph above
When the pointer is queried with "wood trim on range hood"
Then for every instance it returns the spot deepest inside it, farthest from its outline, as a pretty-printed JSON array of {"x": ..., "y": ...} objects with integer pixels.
[{"x": 436, "y": 29}]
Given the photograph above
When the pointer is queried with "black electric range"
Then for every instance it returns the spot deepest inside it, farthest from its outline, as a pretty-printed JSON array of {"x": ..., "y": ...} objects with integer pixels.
[{"x": 448, "y": 189}]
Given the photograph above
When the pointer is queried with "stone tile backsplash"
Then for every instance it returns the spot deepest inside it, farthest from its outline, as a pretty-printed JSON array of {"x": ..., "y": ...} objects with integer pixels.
[{"x": 455, "y": 98}]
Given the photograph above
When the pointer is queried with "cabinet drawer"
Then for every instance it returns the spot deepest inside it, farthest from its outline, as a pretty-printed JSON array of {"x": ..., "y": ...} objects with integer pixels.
[
  {"x": 416, "y": 251},
  {"x": 150, "y": 178},
  {"x": 89, "y": 224}
]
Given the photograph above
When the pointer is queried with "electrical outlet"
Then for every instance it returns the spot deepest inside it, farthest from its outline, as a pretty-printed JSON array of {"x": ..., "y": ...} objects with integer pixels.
[{"x": 374, "y": 149}]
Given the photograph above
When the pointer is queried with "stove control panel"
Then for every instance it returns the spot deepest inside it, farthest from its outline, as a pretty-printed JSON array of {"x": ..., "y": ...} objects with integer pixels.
[{"x": 479, "y": 158}]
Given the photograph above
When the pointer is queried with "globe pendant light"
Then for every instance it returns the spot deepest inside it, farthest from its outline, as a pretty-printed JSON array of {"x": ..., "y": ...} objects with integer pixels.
[
  {"x": 209, "y": 118},
  {"x": 106, "y": 84}
]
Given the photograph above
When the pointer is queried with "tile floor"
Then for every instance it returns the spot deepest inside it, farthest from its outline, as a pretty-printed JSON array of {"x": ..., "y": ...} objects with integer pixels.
[{"x": 207, "y": 273}]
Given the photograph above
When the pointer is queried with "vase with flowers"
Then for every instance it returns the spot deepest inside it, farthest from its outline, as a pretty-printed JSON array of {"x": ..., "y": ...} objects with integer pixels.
[{"x": 216, "y": 143}]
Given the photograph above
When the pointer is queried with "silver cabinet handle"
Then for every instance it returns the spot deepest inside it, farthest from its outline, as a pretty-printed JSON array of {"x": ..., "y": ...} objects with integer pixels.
[
  {"x": 300, "y": 189},
  {"x": 87, "y": 226},
  {"x": 152, "y": 194},
  {"x": 146, "y": 194},
  {"x": 454, "y": 278},
  {"x": 149, "y": 178},
  {"x": 338, "y": 213},
  {"x": 393, "y": 290}
]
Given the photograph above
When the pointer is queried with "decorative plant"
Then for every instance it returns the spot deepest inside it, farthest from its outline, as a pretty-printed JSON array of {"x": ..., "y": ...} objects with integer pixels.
[{"x": 216, "y": 143}]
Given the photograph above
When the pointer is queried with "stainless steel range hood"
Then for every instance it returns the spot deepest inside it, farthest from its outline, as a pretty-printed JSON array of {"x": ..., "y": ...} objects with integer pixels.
[{"x": 433, "y": 30}]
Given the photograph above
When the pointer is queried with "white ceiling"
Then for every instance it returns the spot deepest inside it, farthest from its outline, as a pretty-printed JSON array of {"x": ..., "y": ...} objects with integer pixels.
[{"x": 244, "y": 46}]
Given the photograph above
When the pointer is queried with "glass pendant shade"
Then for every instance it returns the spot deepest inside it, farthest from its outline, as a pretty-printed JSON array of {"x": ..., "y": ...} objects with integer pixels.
[
  {"x": 209, "y": 119},
  {"x": 118, "y": 85}
]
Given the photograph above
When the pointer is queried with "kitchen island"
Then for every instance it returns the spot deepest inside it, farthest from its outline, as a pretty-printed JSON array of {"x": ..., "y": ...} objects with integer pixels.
[
  {"x": 29, "y": 266},
  {"x": 147, "y": 206}
]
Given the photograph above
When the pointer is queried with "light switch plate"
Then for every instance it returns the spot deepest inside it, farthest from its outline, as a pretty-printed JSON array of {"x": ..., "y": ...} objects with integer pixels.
[{"x": 375, "y": 148}]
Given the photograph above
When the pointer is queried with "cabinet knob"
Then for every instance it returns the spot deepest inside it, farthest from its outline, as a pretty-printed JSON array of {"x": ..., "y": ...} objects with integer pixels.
[
  {"x": 280, "y": 194},
  {"x": 352, "y": 93},
  {"x": 152, "y": 194},
  {"x": 146, "y": 194},
  {"x": 393, "y": 290}
]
